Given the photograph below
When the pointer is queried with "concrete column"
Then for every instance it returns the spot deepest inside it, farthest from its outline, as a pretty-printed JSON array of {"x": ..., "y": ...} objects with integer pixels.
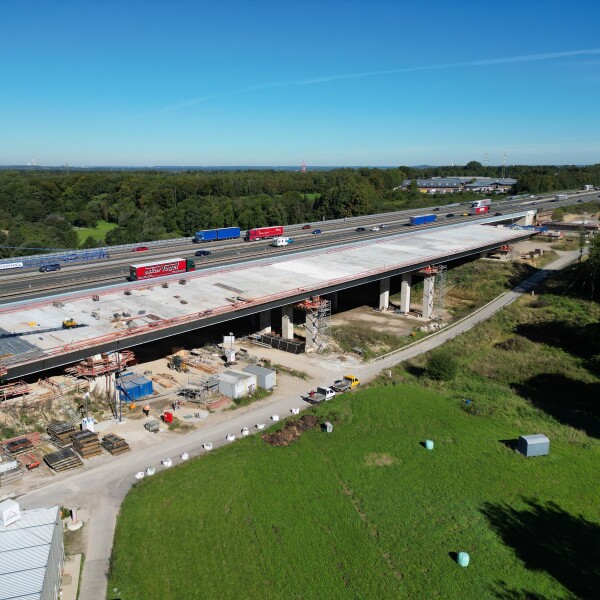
[
  {"x": 287, "y": 322},
  {"x": 428, "y": 285},
  {"x": 405, "y": 292},
  {"x": 384, "y": 293},
  {"x": 483, "y": 254},
  {"x": 265, "y": 322},
  {"x": 310, "y": 333}
]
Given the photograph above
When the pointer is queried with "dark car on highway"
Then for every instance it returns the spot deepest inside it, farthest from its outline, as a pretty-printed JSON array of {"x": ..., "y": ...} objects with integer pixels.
[
  {"x": 436, "y": 209},
  {"x": 47, "y": 268},
  {"x": 449, "y": 215},
  {"x": 316, "y": 231},
  {"x": 140, "y": 249},
  {"x": 203, "y": 253},
  {"x": 361, "y": 229},
  {"x": 307, "y": 227},
  {"x": 497, "y": 214}
]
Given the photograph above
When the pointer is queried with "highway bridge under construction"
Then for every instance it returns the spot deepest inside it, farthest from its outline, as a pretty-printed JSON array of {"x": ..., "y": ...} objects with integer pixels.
[{"x": 117, "y": 317}]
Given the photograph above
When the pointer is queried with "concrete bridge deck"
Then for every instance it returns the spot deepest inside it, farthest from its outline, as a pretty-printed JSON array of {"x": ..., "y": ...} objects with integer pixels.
[{"x": 31, "y": 339}]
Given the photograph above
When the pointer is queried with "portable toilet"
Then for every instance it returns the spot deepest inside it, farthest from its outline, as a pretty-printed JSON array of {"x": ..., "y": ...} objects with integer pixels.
[{"x": 533, "y": 445}]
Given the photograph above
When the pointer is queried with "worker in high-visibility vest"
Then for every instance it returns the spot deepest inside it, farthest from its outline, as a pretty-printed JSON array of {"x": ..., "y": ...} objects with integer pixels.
[{"x": 147, "y": 410}]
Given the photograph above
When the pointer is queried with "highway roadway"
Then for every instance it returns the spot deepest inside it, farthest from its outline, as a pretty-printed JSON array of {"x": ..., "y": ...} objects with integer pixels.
[
  {"x": 29, "y": 283},
  {"x": 100, "y": 490}
]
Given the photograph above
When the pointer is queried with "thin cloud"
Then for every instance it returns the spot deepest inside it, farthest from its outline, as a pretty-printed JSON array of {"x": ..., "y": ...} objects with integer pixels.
[{"x": 329, "y": 78}]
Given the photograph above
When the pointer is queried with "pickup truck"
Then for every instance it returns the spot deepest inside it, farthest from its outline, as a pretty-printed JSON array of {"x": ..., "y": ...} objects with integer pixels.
[
  {"x": 322, "y": 393},
  {"x": 347, "y": 383}
]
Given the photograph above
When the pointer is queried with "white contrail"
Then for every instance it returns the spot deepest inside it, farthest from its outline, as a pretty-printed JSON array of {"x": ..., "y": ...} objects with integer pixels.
[{"x": 328, "y": 78}]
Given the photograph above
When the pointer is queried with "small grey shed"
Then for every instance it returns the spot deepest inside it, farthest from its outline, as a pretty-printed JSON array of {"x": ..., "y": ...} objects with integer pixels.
[
  {"x": 265, "y": 378},
  {"x": 533, "y": 445}
]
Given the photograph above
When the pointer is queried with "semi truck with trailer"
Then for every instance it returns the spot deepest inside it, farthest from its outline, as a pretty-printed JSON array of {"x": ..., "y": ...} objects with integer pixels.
[
  {"x": 561, "y": 197},
  {"x": 214, "y": 235},
  {"x": 422, "y": 219},
  {"x": 263, "y": 233},
  {"x": 161, "y": 268},
  {"x": 480, "y": 203}
]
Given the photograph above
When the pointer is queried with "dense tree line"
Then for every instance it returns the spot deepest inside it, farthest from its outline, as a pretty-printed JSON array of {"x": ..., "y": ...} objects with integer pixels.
[{"x": 41, "y": 208}]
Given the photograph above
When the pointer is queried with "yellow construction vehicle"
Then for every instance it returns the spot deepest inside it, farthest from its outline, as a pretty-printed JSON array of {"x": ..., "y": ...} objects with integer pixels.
[{"x": 69, "y": 323}]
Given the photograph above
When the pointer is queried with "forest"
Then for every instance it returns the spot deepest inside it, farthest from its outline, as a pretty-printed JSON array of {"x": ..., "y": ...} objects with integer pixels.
[{"x": 43, "y": 208}]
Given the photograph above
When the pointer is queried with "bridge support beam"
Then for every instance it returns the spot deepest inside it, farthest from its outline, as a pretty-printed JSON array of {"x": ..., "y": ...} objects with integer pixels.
[
  {"x": 287, "y": 322},
  {"x": 405, "y": 293},
  {"x": 265, "y": 322},
  {"x": 428, "y": 291},
  {"x": 384, "y": 293}
]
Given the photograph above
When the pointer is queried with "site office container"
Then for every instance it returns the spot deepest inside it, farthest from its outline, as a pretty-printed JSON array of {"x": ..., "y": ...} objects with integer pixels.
[
  {"x": 263, "y": 233},
  {"x": 160, "y": 268},
  {"x": 482, "y": 209},
  {"x": 210, "y": 235}
]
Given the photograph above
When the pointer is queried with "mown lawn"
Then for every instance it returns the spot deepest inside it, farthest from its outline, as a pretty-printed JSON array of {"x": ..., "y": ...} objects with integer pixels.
[
  {"x": 98, "y": 233},
  {"x": 368, "y": 512}
]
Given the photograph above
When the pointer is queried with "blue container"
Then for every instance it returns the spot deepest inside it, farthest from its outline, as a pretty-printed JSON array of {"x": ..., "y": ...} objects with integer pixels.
[
  {"x": 463, "y": 559},
  {"x": 228, "y": 233},
  {"x": 429, "y": 444}
]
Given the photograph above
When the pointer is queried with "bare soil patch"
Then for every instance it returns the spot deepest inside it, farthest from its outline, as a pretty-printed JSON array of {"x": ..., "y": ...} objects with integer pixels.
[{"x": 292, "y": 431}]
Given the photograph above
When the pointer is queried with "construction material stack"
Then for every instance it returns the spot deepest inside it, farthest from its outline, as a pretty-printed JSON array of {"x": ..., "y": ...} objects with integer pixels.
[
  {"x": 18, "y": 446},
  {"x": 60, "y": 433},
  {"x": 63, "y": 460},
  {"x": 10, "y": 472},
  {"x": 114, "y": 444},
  {"x": 86, "y": 443}
]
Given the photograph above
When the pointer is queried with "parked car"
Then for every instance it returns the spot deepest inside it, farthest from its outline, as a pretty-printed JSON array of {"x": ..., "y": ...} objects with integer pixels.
[
  {"x": 140, "y": 249},
  {"x": 307, "y": 227},
  {"x": 203, "y": 252},
  {"x": 316, "y": 231},
  {"x": 361, "y": 229},
  {"x": 436, "y": 209},
  {"x": 375, "y": 228},
  {"x": 449, "y": 215}
]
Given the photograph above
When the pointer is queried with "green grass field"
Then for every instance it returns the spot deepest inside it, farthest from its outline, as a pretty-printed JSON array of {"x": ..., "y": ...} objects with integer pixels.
[
  {"x": 98, "y": 233},
  {"x": 368, "y": 512}
]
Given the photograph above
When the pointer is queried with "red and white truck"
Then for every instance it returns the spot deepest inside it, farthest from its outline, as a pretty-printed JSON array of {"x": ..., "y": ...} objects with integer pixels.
[
  {"x": 480, "y": 203},
  {"x": 161, "y": 268},
  {"x": 263, "y": 233},
  {"x": 482, "y": 209}
]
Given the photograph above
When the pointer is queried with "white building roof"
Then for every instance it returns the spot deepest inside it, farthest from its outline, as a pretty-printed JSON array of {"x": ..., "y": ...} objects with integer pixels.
[
  {"x": 234, "y": 376},
  {"x": 24, "y": 551}
]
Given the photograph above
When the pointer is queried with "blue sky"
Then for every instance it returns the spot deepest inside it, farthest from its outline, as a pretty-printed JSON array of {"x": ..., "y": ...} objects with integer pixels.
[{"x": 272, "y": 83}]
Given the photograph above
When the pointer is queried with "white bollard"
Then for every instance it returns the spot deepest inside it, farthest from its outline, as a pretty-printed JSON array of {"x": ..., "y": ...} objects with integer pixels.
[
  {"x": 245, "y": 431},
  {"x": 167, "y": 463},
  {"x": 184, "y": 456},
  {"x": 207, "y": 446},
  {"x": 230, "y": 437},
  {"x": 139, "y": 475},
  {"x": 275, "y": 417},
  {"x": 150, "y": 471},
  {"x": 260, "y": 426},
  {"x": 295, "y": 411}
]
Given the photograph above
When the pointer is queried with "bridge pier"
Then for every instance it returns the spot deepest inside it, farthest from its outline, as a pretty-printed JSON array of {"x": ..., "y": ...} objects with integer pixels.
[
  {"x": 310, "y": 330},
  {"x": 265, "y": 322},
  {"x": 287, "y": 322},
  {"x": 384, "y": 293},
  {"x": 334, "y": 300},
  {"x": 428, "y": 292},
  {"x": 405, "y": 293}
]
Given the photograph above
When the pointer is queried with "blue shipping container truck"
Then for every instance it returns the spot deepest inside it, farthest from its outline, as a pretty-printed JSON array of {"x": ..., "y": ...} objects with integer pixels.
[
  {"x": 422, "y": 219},
  {"x": 211, "y": 235}
]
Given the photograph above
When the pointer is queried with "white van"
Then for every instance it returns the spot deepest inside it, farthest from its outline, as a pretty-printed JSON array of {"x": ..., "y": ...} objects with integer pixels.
[{"x": 279, "y": 242}]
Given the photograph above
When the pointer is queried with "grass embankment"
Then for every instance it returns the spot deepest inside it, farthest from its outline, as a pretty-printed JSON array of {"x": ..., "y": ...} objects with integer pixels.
[{"x": 98, "y": 233}]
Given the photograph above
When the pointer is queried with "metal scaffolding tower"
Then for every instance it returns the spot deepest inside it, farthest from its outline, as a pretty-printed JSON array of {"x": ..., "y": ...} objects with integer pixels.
[
  {"x": 440, "y": 282},
  {"x": 317, "y": 323}
]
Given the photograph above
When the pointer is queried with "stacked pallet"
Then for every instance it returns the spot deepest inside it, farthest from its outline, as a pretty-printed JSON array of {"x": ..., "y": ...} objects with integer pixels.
[
  {"x": 86, "y": 443},
  {"x": 62, "y": 460},
  {"x": 60, "y": 433},
  {"x": 10, "y": 472},
  {"x": 18, "y": 446},
  {"x": 114, "y": 444}
]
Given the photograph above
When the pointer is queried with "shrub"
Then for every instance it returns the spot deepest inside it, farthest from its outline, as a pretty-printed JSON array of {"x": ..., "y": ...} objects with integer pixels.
[{"x": 441, "y": 366}]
